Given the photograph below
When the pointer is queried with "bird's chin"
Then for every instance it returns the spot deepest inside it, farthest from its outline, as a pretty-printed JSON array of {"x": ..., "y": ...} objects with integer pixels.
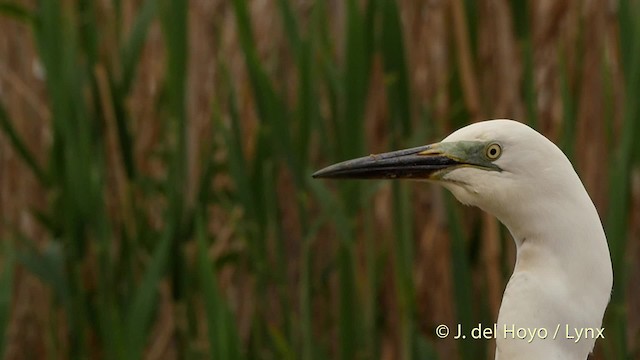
[{"x": 460, "y": 191}]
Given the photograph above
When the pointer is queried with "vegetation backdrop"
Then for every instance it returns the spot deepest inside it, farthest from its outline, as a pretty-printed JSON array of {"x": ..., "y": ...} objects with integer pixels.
[{"x": 155, "y": 159}]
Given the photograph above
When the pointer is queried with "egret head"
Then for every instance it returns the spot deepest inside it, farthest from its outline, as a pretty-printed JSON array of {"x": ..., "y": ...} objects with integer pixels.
[{"x": 490, "y": 164}]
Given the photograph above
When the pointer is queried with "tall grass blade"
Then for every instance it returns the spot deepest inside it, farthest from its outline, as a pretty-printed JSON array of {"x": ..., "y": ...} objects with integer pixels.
[
  {"x": 88, "y": 32},
  {"x": 121, "y": 87},
  {"x": 404, "y": 260},
  {"x": 140, "y": 313},
  {"x": 529, "y": 86},
  {"x": 306, "y": 115},
  {"x": 472, "y": 15},
  {"x": 20, "y": 147},
  {"x": 620, "y": 172},
  {"x": 398, "y": 99},
  {"x": 174, "y": 21},
  {"x": 248, "y": 176},
  {"x": 6, "y": 290},
  {"x": 306, "y": 303},
  {"x": 356, "y": 82},
  {"x": 522, "y": 27},
  {"x": 271, "y": 109},
  {"x": 75, "y": 159},
  {"x": 461, "y": 278},
  {"x": 16, "y": 11},
  {"x": 348, "y": 323},
  {"x": 224, "y": 342},
  {"x": 130, "y": 52},
  {"x": 395, "y": 71},
  {"x": 237, "y": 162},
  {"x": 348, "y": 312},
  {"x": 292, "y": 30},
  {"x": 307, "y": 110},
  {"x": 569, "y": 112}
]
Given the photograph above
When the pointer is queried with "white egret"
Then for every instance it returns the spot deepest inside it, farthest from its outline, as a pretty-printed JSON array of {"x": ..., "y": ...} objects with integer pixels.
[{"x": 562, "y": 277}]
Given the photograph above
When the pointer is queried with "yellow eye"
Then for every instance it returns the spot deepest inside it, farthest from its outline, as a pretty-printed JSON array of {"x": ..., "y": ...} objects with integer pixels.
[{"x": 493, "y": 151}]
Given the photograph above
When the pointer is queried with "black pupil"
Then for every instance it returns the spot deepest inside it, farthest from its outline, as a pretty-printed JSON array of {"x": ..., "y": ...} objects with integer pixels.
[{"x": 493, "y": 151}]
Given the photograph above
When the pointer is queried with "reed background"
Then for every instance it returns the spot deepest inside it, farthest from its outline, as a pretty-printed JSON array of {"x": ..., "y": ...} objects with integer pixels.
[{"x": 155, "y": 161}]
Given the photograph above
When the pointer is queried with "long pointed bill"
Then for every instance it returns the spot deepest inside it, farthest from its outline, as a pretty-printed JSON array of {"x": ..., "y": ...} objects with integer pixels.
[{"x": 415, "y": 163}]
